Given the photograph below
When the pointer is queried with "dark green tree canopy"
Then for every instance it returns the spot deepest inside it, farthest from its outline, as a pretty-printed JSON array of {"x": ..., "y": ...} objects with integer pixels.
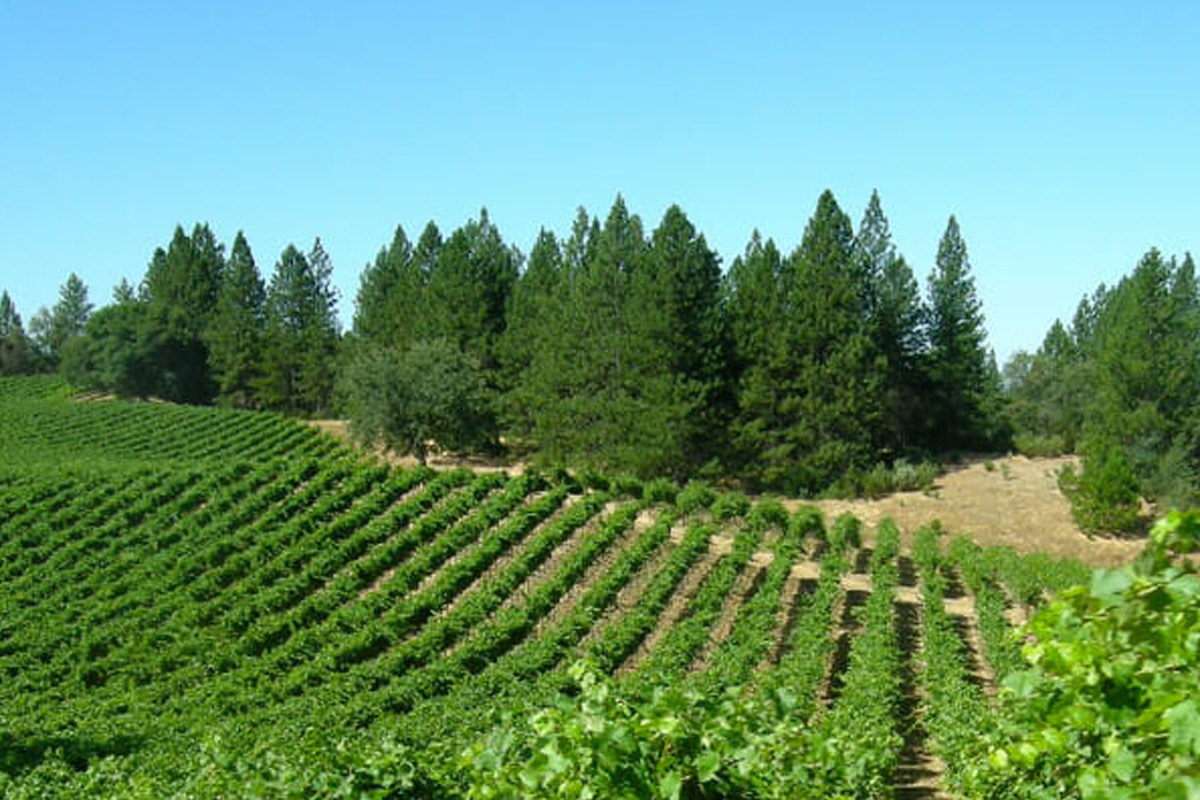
[
  {"x": 238, "y": 327},
  {"x": 958, "y": 363},
  {"x": 15, "y": 352},
  {"x": 431, "y": 393}
]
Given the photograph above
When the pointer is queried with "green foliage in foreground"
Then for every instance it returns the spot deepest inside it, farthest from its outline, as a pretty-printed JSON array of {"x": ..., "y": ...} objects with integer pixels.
[{"x": 1108, "y": 708}]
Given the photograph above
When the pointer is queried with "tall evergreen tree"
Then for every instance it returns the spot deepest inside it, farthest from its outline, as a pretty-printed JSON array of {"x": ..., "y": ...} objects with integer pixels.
[
  {"x": 427, "y": 251},
  {"x": 53, "y": 328},
  {"x": 756, "y": 310},
  {"x": 532, "y": 328},
  {"x": 238, "y": 327},
  {"x": 592, "y": 379},
  {"x": 123, "y": 292},
  {"x": 957, "y": 363},
  {"x": 679, "y": 324},
  {"x": 390, "y": 295},
  {"x": 895, "y": 317},
  {"x": 180, "y": 290},
  {"x": 183, "y": 281},
  {"x": 15, "y": 355},
  {"x": 1047, "y": 392},
  {"x": 321, "y": 335},
  {"x": 301, "y": 333},
  {"x": 833, "y": 385},
  {"x": 468, "y": 290},
  {"x": 286, "y": 319}
]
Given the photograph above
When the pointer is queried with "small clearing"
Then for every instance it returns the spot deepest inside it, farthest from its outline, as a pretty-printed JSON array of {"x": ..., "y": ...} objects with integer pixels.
[{"x": 1016, "y": 502}]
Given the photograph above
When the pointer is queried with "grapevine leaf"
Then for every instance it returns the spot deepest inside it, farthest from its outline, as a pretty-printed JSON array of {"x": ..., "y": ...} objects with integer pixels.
[
  {"x": 1183, "y": 725},
  {"x": 707, "y": 765},
  {"x": 670, "y": 786}
]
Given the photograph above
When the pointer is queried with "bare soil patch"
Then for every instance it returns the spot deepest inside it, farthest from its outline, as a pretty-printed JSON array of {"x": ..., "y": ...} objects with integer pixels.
[
  {"x": 748, "y": 583},
  {"x": 340, "y": 429},
  {"x": 677, "y": 607},
  {"x": 570, "y": 601},
  {"x": 1017, "y": 503}
]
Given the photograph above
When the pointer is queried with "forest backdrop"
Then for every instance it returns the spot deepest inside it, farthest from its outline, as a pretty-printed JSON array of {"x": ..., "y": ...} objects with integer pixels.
[{"x": 823, "y": 368}]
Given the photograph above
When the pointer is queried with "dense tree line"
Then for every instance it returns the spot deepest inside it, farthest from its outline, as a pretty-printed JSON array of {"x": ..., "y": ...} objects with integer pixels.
[
  {"x": 201, "y": 327},
  {"x": 610, "y": 348},
  {"x": 621, "y": 350},
  {"x": 1119, "y": 385}
]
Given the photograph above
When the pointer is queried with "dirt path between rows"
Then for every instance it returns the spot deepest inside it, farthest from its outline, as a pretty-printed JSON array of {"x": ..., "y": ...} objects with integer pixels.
[{"x": 1016, "y": 502}]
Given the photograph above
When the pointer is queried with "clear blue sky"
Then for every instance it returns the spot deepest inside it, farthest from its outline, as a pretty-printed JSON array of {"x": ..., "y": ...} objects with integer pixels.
[{"x": 1063, "y": 135}]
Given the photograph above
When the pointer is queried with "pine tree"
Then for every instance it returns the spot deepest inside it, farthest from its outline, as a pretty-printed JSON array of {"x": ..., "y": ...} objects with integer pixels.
[
  {"x": 756, "y": 316},
  {"x": 531, "y": 332},
  {"x": 957, "y": 363},
  {"x": 831, "y": 411},
  {"x": 183, "y": 281},
  {"x": 286, "y": 319},
  {"x": 588, "y": 379},
  {"x": 15, "y": 355},
  {"x": 468, "y": 290},
  {"x": 320, "y": 343},
  {"x": 180, "y": 291},
  {"x": 238, "y": 327},
  {"x": 756, "y": 311},
  {"x": 123, "y": 292},
  {"x": 678, "y": 323},
  {"x": 895, "y": 321},
  {"x": 53, "y": 328},
  {"x": 390, "y": 295},
  {"x": 301, "y": 333}
]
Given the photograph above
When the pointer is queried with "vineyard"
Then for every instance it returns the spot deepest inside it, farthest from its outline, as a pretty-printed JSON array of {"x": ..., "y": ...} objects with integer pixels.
[{"x": 207, "y": 603}]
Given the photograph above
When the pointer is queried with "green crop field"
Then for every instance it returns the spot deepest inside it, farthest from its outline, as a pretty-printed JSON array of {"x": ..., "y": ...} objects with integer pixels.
[{"x": 205, "y": 603}]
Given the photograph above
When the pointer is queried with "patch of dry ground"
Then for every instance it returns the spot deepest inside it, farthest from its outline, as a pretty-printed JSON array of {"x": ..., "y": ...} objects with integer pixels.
[
  {"x": 1017, "y": 502},
  {"x": 339, "y": 429}
]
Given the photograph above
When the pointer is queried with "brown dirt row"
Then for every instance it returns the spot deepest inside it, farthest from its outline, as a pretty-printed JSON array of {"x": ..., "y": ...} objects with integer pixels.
[
  {"x": 391, "y": 571},
  {"x": 632, "y": 592},
  {"x": 432, "y": 577},
  {"x": 506, "y": 558},
  {"x": 567, "y": 603},
  {"x": 560, "y": 553},
  {"x": 801, "y": 581},
  {"x": 919, "y": 775},
  {"x": 551, "y": 565},
  {"x": 403, "y": 498},
  {"x": 677, "y": 606},
  {"x": 747, "y": 584}
]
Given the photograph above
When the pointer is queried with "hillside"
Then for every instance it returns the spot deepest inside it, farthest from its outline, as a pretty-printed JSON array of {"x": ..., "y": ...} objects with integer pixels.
[{"x": 204, "y": 603}]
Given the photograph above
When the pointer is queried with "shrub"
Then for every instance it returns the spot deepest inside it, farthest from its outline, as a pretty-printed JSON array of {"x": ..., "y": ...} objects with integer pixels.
[
  {"x": 914, "y": 477},
  {"x": 901, "y": 477},
  {"x": 694, "y": 497},
  {"x": 661, "y": 490},
  {"x": 1104, "y": 497},
  {"x": 730, "y": 505},
  {"x": 768, "y": 513},
  {"x": 846, "y": 533}
]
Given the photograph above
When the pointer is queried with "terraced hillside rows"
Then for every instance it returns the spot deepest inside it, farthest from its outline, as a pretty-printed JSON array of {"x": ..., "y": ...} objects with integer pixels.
[{"x": 253, "y": 611}]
